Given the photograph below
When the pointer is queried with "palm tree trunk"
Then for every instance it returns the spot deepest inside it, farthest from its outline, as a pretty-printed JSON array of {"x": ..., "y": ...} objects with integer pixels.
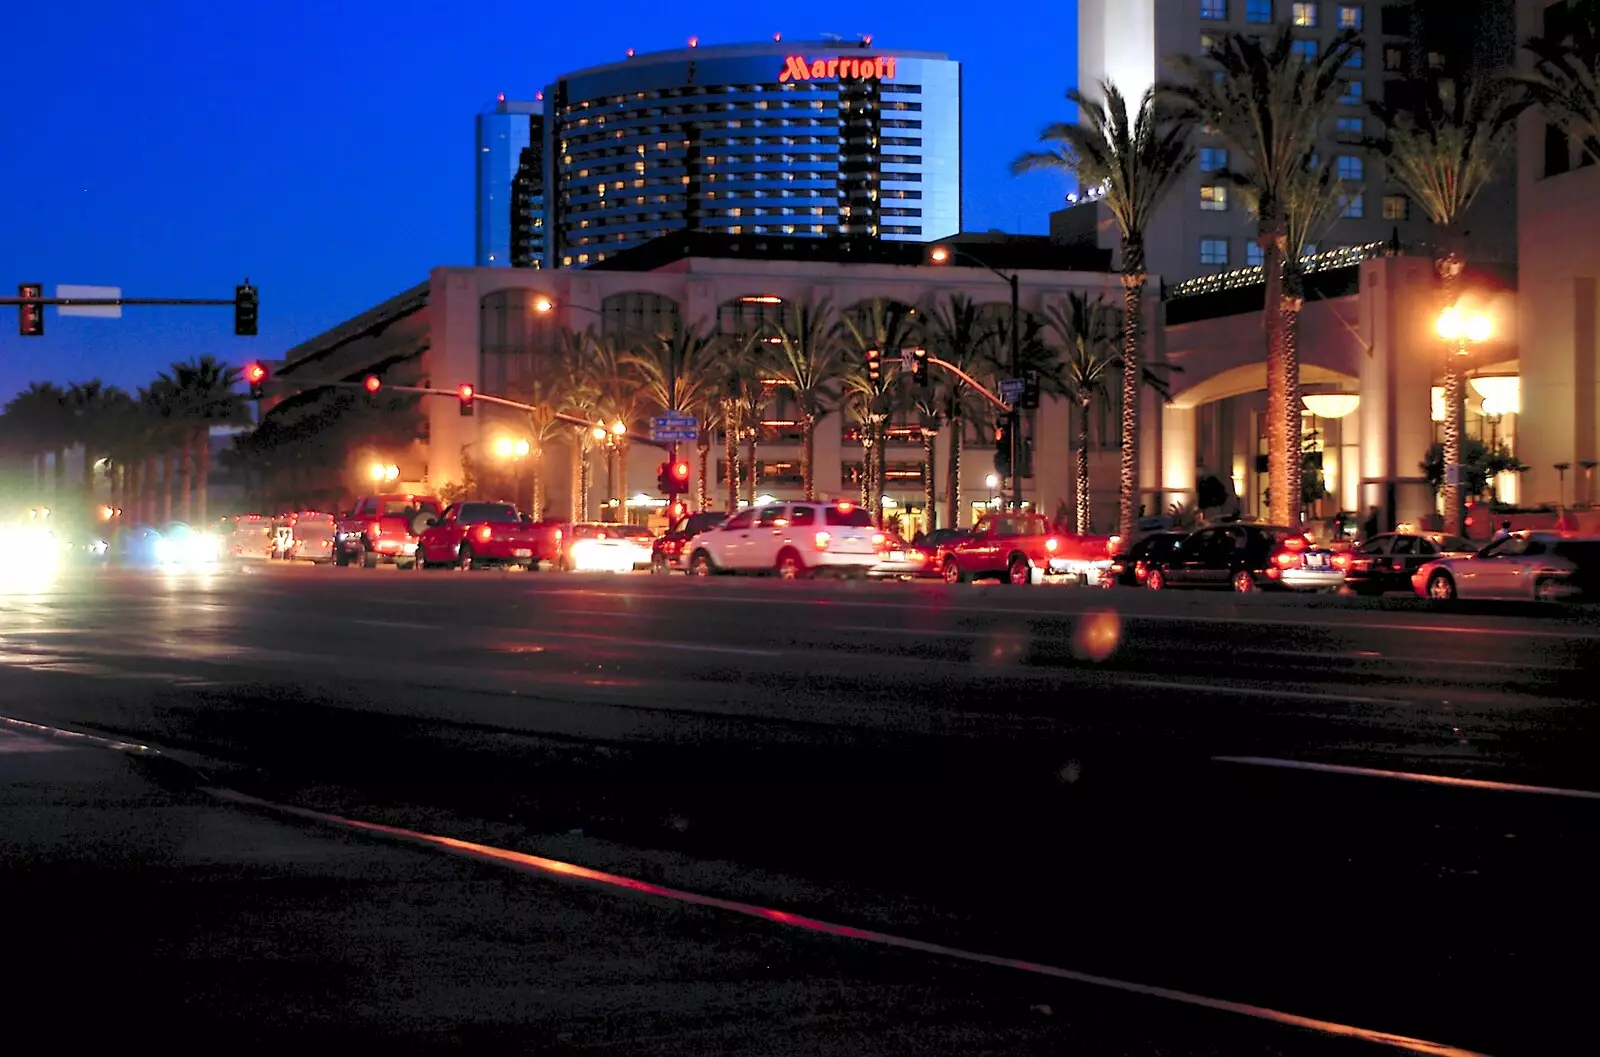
[
  {"x": 703, "y": 486},
  {"x": 753, "y": 468},
  {"x": 730, "y": 454},
  {"x": 930, "y": 515},
  {"x": 1293, "y": 432},
  {"x": 88, "y": 476},
  {"x": 1449, "y": 268},
  {"x": 202, "y": 450},
  {"x": 536, "y": 484},
  {"x": 60, "y": 490},
  {"x": 1132, "y": 375},
  {"x": 1085, "y": 519},
  {"x": 186, "y": 478},
  {"x": 808, "y": 453},
  {"x": 169, "y": 473},
  {"x": 622, "y": 476},
  {"x": 147, "y": 494},
  {"x": 1273, "y": 240},
  {"x": 952, "y": 475},
  {"x": 880, "y": 461}
]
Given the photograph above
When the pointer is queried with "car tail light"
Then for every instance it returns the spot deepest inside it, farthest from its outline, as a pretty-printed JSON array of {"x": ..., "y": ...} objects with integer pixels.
[
  {"x": 558, "y": 535},
  {"x": 1296, "y": 544},
  {"x": 916, "y": 556},
  {"x": 1112, "y": 544},
  {"x": 878, "y": 538},
  {"x": 484, "y": 532},
  {"x": 821, "y": 540},
  {"x": 1052, "y": 544},
  {"x": 1341, "y": 562},
  {"x": 1286, "y": 559}
]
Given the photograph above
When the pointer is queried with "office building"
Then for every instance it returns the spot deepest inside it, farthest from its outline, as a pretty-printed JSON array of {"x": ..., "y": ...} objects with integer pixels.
[
  {"x": 510, "y": 183},
  {"x": 778, "y": 138}
]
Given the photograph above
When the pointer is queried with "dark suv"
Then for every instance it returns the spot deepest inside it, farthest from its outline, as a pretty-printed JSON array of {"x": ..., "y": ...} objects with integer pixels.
[
  {"x": 668, "y": 551},
  {"x": 1245, "y": 556}
]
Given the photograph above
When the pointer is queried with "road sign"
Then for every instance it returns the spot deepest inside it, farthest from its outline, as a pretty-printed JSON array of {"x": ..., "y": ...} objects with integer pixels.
[
  {"x": 1011, "y": 389},
  {"x": 908, "y": 360},
  {"x": 674, "y": 434},
  {"x": 100, "y": 293},
  {"x": 675, "y": 426}
]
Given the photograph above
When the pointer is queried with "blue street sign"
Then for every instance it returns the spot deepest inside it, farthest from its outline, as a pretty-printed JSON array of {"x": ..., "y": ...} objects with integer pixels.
[
  {"x": 675, "y": 420},
  {"x": 675, "y": 434},
  {"x": 1011, "y": 389}
]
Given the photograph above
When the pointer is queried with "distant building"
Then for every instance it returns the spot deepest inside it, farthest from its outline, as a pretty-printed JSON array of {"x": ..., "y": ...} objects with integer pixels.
[
  {"x": 777, "y": 138},
  {"x": 510, "y": 200}
]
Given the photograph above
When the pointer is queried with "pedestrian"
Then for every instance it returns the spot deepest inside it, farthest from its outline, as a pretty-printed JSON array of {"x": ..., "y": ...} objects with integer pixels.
[{"x": 1503, "y": 531}]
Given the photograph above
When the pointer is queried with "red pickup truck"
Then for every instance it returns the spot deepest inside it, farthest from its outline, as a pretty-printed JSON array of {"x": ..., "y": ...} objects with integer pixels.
[
  {"x": 383, "y": 528},
  {"x": 477, "y": 534},
  {"x": 1022, "y": 549}
]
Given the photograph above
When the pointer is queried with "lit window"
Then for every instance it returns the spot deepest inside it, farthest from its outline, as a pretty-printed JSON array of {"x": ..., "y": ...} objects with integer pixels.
[
  {"x": 1352, "y": 94},
  {"x": 1214, "y": 198},
  {"x": 1348, "y": 125},
  {"x": 1353, "y": 207},
  {"x": 1354, "y": 60},
  {"x": 1304, "y": 15},
  {"x": 1349, "y": 16},
  {"x": 1396, "y": 207},
  {"x": 1213, "y": 251},
  {"x": 1306, "y": 50},
  {"x": 1213, "y": 159},
  {"x": 1253, "y": 257},
  {"x": 1258, "y": 10},
  {"x": 1214, "y": 9},
  {"x": 1350, "y": 167},
  {"x": 1394, "y": 59}
]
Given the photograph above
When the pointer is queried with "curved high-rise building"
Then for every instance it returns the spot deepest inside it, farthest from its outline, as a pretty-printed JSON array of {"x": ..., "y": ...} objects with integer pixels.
[{"x": 793, "y": 138}]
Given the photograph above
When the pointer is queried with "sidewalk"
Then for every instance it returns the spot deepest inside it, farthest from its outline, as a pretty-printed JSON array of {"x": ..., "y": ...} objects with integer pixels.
[{"x": 135, "y": 909}]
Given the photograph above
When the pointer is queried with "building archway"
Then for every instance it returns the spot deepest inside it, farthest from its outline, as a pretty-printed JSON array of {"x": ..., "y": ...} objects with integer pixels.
[{"x": 515, "y": 339}]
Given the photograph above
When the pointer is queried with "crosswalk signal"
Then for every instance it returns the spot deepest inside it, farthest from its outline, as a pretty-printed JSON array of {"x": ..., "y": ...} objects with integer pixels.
[
  {"x": 874, "y": 366},
  {"x": 465, "y": 394},
  {"x": 30, "y": 317},
  {"x": 255, "y": 375},
  {"x": 919, "y": 366},
  {"x": 244, "y": 310}
]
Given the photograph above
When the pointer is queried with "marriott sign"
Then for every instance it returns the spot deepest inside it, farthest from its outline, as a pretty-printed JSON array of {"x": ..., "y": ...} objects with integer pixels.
[{"x": 799, "y": 68}]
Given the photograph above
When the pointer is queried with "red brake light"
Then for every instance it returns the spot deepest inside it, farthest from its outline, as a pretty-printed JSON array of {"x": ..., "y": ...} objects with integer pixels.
[
  {"x": 1341, "y": 561},
  {"x": 599, "y": 535},
  {"x": 821, "y": 540},
  {"x": 845, "y": 506},
  {"x": 1295, "y": 544},
  {"x": 558, "y": 535},
  {"x": 1287, "y": 559}
]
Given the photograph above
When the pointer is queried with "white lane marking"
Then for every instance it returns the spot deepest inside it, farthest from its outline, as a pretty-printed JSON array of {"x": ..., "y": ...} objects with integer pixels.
[
  {"x": 1410, "y": 776},
  {"x": 62, "y": 732},
  {"x": 573, "y": 872},
  {"x": 1267, "y": 692},
  {"x": 658, "y": 644},
  {"x": 400, "y": 624}
]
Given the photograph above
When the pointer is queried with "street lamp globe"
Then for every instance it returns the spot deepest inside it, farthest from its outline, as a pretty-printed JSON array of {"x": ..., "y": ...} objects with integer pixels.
[
  {"x": 375, "y": 471},
  {"x": 543, "y": 304},
  {"x": 522, "y": 448},
  {"x": 502, "y": 447},
  {"x": 618, "y": 428},
  {"x": 1450, "y": 325},
  {"x": 1478, "y": 327},
  {"x": 992, "y": 481}
]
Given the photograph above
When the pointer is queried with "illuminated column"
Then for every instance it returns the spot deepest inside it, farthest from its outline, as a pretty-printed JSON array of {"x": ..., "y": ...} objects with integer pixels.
[{"x": 1178, "y": 442}]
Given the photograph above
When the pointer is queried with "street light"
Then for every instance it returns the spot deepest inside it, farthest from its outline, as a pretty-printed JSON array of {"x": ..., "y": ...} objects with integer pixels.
[
  {"x": 946, "y": 254},
  {"x": 381, "y": 472},
  {"x": 1460, "y": 328}
]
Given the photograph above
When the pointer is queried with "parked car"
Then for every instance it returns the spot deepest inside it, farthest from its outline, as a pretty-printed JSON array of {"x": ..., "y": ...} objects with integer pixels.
[
  {"x": 383, "y": 528},
  {"x": 606, "y": 547},
  {"x": 475, "y": 535},
  {"x": 669, "y": 553},
  {"x": 1548, "y": 566},
  {"x": 790, "y": 539},
  {"x": 1131, "y": 567},
  {"x": 1022, "y": 549},
  {"x": 311, "y": 537},
  {"x": 1244, "y": 556},
  {"x": 1387, "y": 562}
]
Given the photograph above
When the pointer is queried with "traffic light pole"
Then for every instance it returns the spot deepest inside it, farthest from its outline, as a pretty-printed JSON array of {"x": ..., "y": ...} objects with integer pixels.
[{"x": 1016, "y": 413}]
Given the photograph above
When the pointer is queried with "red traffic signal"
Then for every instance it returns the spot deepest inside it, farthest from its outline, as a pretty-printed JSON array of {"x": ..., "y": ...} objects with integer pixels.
[
  {"x": 254, "y": 375},
  {"x": 680, "y": 473},
  {"x": 465, "y": 394},
  {"x": 373, "y": 383},
  {"x": 30, "y": 317},
  {"x": 874, "y": 367}
]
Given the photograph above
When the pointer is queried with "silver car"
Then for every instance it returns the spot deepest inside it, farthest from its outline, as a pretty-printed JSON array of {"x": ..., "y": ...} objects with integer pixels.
[{"x": 1548, "y": 566}]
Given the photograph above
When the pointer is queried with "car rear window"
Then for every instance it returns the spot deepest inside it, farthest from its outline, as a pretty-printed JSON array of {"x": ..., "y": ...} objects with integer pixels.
[
  {"x": 700, "y": 522},
  {"x": 848, "y": 517},
  {"x": 496, "y": 512},
  {"x": 396, "y": 507}
]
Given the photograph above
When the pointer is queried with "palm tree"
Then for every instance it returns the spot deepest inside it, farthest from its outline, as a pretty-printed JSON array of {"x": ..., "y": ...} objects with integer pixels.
[
  {"x": 201, "y": 395},
  {"x": 1443, "y": 151},
  {"x": 619, "y": 396},
  {"x": 41, "y": 420},
  {"x": 1085, "y": 333},
  {"x": 881, "y": 327},
  {"x": 100, "y": 414},
  {"x": 739, "y": 396},
  {"x": 578, "y": 395},
  {"x": 680, "y": 371},
  {"x": 957, "y": 331},
  {"x": 1565, "y": 79},
  {"x": 1137, "y": 161},
  {"x": 1268, "y": 101},
  {"x": 808, "y": 359}
]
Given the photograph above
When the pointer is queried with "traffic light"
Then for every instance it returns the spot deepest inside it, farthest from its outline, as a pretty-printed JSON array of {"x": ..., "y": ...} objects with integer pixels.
[
  {"x": 244, "y": 310},
  {"x": 372, "y": 384},
  {"x": 677, "y": 511},
  {"x": 1002, "y": 447},
  {"x": 30, "y": 318},
  {"x": 255, "y": 375},
  {"x": 874, "y": 366},
  {"x": 1030, "y": 391},
  {"x": 919, "y": 366},
  {"x": 465, "y": 394},
  {"x": 673, "y": 478}
]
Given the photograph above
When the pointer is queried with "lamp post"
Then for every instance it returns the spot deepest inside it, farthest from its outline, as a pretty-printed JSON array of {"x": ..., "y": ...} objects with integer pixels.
[
  {"x": 1460, "y": 329},
  {"x": 516, "y": 452},
  {"x": 944, "y": 255}
]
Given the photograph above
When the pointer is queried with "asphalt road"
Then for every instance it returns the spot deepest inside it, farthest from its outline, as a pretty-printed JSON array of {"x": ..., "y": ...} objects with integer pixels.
[{"x": 1037, "y": 772}]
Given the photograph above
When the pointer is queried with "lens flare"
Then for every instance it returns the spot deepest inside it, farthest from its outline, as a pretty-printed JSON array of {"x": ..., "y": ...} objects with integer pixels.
[{"x": 1097, "y": 635}]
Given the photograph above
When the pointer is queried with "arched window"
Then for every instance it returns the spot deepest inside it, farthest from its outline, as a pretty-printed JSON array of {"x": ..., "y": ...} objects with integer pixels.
[
  {"x": 637, "y": 316},
  {"x": 513, "y": 340}
]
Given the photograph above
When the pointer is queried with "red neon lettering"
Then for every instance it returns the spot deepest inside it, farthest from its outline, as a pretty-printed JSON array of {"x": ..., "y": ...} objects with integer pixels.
[{"x": 799, "y": 68}]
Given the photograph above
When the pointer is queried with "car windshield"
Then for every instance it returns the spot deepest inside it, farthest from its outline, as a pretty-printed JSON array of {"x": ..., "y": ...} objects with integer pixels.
[
  {"x": 401, "y": 507},
  {"x": 848, "y": 517},
  {"x": 635, "y": 532},
  {"x": 495, "y": 512},
  {"x": 1455, "y": 544}
]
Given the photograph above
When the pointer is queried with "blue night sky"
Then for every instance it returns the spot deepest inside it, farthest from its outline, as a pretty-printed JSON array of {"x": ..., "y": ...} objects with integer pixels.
[{"x": 172, "y": 147}]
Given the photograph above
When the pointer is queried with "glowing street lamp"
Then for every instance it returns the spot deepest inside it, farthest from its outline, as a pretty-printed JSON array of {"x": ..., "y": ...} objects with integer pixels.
[
  {"x": 381, "y": 472},
  {"x": 543, "y": 304}
]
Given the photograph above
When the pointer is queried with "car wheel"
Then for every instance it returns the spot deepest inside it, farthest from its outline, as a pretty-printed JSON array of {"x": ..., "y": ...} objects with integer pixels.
[
  {"x": 790, "y": 567},
  {"x": 952, "y": 572},
  {"x": 341, "y": 559},
  {"x": 406, "y": 566},
  {"x": 464, "y": 557},
  {"x": 1244, "y": 582},
  {"x": 1019, "y": 573},
  {"x": 369, "y": 558},
  {"x": 1155, "y": 580},
  {"x": 1441, "y": 588},
  {"x": 700, "y": 564},
  {"x": 1544, "y": 590}
]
